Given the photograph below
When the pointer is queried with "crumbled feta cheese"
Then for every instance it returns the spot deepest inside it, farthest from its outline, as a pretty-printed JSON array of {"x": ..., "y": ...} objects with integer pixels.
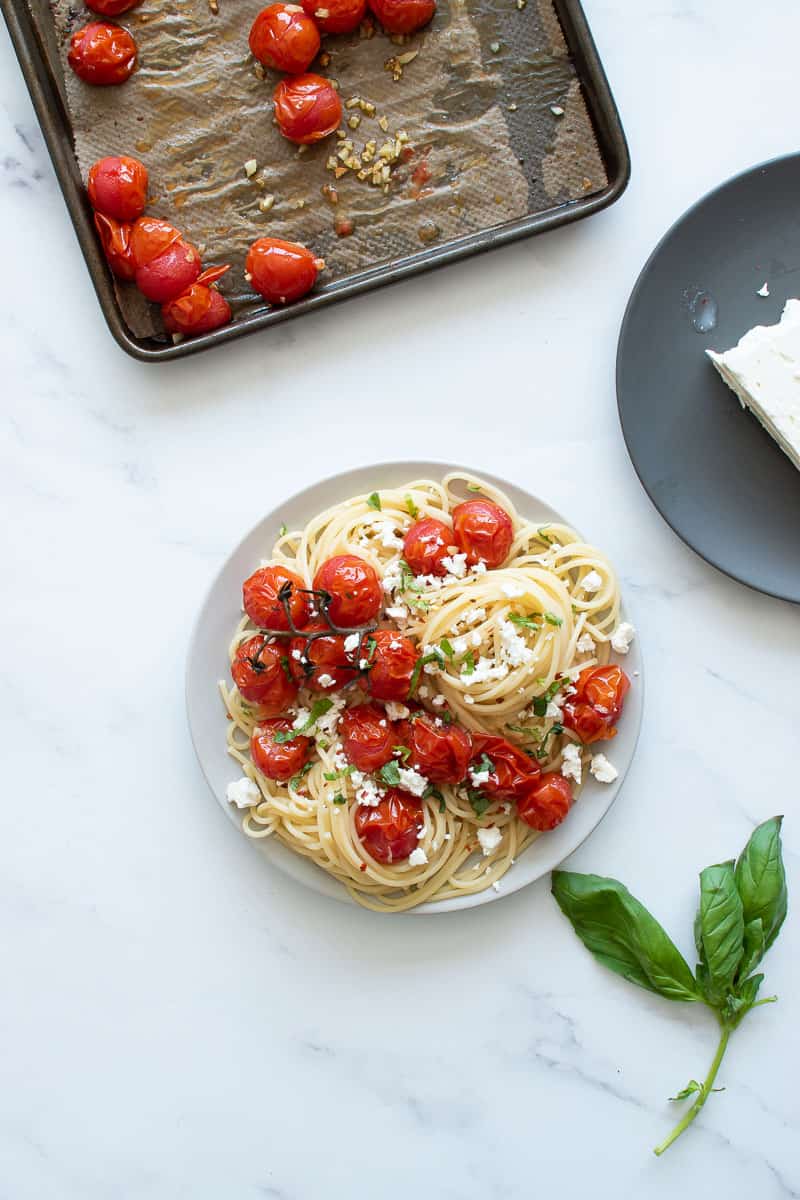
[
  {"x": 369, "y": 794},
  {"x": 395, "y": 711},
  {"x": 571, "y": 762},
  {"x": 513, "y": 648},
  {"x": 431, "y": 668},
  {"x": 476, "y": 615},
  {"x": 423, "y": 692},
  {"x": 456, "y": 564},
  {"x": 479, "y": 568},
  {"x": 484, "y": 670},
  {"x": 475, "y": 638},
  {"x": 592, "y": 581},
  {"x": 585, "y": 644},
  {"x": 243, "y": 793},
  {"x": 356, "y": 778},
  {"x": 602, "y": 769},
  {"x": 553, "y": 710},
  {"x": 512, "y": 589},
  {"x": 340, "y": 759},
  {"x": 328, "y": 723},
  {"x": 397, "y": 612},
  {"x": 622, "y": 637},
  {"x": 460, "y": 645},
  {"x": 469, "y": 699},
  {"x": 412, "y": 781},
  {"x": 417, "y": 857},
  {"x": 351, "y": 643},
  {"x": 438, "y": 701},
  {"x": 388, "y": 536},
  {"x": 489, "y": 839},
  {"x": 479, "y": 777},
  {"x": 301, "y": 716},
  {"x": 325, "y": 681}
]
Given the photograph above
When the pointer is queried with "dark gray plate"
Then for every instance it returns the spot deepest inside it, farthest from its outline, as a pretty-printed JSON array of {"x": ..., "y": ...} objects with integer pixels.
[{"x": 710, "y": 469}]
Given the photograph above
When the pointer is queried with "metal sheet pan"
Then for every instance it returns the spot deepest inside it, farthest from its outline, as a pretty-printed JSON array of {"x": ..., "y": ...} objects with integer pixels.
[{"x": 46, "y": 89}]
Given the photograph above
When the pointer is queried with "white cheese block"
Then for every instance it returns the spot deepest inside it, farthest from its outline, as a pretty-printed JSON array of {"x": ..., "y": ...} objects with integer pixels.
[{"x": 764, "y": 372}]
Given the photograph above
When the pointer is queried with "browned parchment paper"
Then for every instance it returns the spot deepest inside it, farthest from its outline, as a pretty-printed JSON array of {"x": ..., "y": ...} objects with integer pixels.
[{"x": 477, "y": 103}]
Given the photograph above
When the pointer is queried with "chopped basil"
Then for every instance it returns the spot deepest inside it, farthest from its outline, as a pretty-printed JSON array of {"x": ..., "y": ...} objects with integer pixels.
[
  {"x": 297, "y": 779},
  {"x": 555, "y": 730},
  {"x": 403, "y": 752},
  {"x": 284, "y": 530},
  {"x": 541, "y": 702},
  {"x": 413, "y": 511},
  {"x": 318, "y": 709},
  {"x": 552, "y": 619},
  {"x": 479, "y": 802},
  {"x": 446, "y": 648},
  {"x": 484, "y": 764},
  {"x": 468, "y": 664},
  {"x": 447, "y": 717},
  {"x": 474, "y": 487},
  {"x": 434, "y": 656},
  {"x": 408, "y": 580},
  {"x": 390, "y": 773},
  {"x": 374, "y": 501},
  {"x": 542, "y": 536},
  {"x": 339, "y": 799},
  {"x": 286, "y": 668},
  {"x": 526, "y": 622},
  {"x": 433, "y": 793}
]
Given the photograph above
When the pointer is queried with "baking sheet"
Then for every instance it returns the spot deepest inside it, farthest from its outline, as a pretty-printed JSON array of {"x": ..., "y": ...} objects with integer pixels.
[{"x": 476, "y": 103}]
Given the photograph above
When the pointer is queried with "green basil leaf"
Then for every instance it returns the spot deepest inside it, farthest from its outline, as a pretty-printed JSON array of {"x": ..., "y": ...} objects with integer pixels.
[
  {"x": 623, "y": 935},
  {"x": 390, "y": 773},
  {"x": 479, "y": 802},
  {"x": 761, "y": 879},
  {"x": 738, "y": 1006},
  {"x": 413, "y": 511},
  {"x": 374, "y": 501},
  {"x": 690, "y": 1089},
  {"x": 719, "y": 929},
  {"x": 754, "y": 944},
  {"x": 339, "y": 799}
]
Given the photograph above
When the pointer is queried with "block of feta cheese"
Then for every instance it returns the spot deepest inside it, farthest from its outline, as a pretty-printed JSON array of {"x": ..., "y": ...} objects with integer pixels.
[{"x": 764, "y": 372}]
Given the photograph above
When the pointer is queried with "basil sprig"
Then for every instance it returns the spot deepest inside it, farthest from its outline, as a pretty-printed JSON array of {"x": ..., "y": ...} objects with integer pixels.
[{"x": 742, "y": 908}]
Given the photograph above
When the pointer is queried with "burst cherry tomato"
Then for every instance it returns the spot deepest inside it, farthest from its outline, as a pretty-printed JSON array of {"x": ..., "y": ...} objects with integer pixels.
[
  {"x": 259, "y": 672},
  {"x": 336, "y": 16},
  {"x": 278, "y": 760},
  {"x": 439, "y": 752},
  {"x": 392, "y": 665},
  {"x": 425, "y": 545},
  {"x": 514, "y": 771},
  {"x": 403, "y": 16},
  {"x": 117, "y": 187},
  {"x": 260, "y": 598},
  {"x": 151, "y": 237},
  {"x": 391, "y": 829},
  {"x": 111, "y": 8},
  {"x": 353, "y": 587},
  {"x": 547, "y": 803},
  {"x": 368, "y": 737},
  {"x": 307, "y": 108},
  {"x": 321, "y": 664},
  {"x": 483, "y": 531},
  {"x": 115, "y": 238},
  {"x": 597, "y": 704},
  {"x": 200, "y": 308},
  {"x": 167, "y": 276},
  {"x": 281, "y": 271},
  {"x": 102, "y": 54},
  {"x": 284, "y": 38}
]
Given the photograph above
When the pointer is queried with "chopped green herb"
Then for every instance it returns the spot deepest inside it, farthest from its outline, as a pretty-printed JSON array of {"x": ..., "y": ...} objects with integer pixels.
[
  {"x": 434, "y": 656},
  {"x": 446, "y": 648},
  {"x": 284, "y": 530},
  {"x": 479, "y": 802},
  {"x": 555, "y": 730},
  {"x": 526, "y": 622},
  {"x": 447, "y": 717},
  {"x": 484, "y": 764},
  {"x": 374, "y": 501},
  {"x": 552, "y": 619},
  {"x": 330, "y": 776},
  {"x": 287, "y": 670},
  {"x": 297, "y": 779},
  {"x": 402, "y": 752},
  {"x": 542, "y": 536},
  {"x": 416, "y": 602},
  {"x": 372, "y": 646},
  {"x": 339, "y": 799},
  {"x": 318, "y": 709},
  {"x": 532, "y": 731},
  {"x": 541, "y": 702},
  {"x": 474, "y": 487},
  {"x": 433, "y": 793},
  {"x": 413, "y": 511},
  {"x": 468, "y": 665},
  {"x": 390, "y": 773},
  {"x": 408, "y": 580}
]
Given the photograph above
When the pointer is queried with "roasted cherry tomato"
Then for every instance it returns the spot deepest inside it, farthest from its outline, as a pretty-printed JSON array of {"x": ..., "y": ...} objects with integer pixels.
[
  {"x": 151, "y": 237},
  {"x": 284, "y": 38},
  {"x": 115, "y": 237},
  {"x": 403, "y": 16},
  {"x": 167, "y": 276},
  {"x": 321, "y": 664},
  {"x": 597, "y": 704},
  {"x": 392, "y": 663},
  {"x": 260, "y": 598},
  {"x": 307, "y": 108},
  {"x": 483, "y": 531},
  {"x": 368, "y": 737},
  {"x": 200, "y": 308},
  {"x": 278, "y": 760},
  {"x": 111, "y": 8},
  {"x": 117, "y": 187},
  {"x": 354, "y": 590},
  {"x": 391, "y": 829},
  {"x": 260, "y": 672},
  {"x": 547, "y": 802},
  {"x": 514, "y": 772},
  {"x": 102, "y": 54},
  {"x": 425, "y": 545},
  {"x": 281, "y": 271},
  {"x": 439, "y": 752},
  {"x": 336, "y": 16}
]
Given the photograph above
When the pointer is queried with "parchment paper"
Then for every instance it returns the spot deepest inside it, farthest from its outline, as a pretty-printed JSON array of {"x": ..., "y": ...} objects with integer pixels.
[{"x": 476, "y": 102}]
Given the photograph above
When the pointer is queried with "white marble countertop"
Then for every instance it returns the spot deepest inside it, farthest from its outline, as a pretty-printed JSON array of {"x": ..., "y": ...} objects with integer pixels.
[{"x": 175, "y": 1020}]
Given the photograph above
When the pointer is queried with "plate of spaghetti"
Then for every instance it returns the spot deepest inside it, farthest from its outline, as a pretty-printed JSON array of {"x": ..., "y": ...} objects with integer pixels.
[{"x": 414, "y": 687}]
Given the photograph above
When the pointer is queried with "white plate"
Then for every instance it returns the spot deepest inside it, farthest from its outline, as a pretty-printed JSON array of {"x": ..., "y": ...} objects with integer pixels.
[{"x": 208, "y": 663}]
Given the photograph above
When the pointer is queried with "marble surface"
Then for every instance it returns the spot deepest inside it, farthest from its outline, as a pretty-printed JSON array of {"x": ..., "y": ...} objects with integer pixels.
[{"x": 175, "y": 1021}]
